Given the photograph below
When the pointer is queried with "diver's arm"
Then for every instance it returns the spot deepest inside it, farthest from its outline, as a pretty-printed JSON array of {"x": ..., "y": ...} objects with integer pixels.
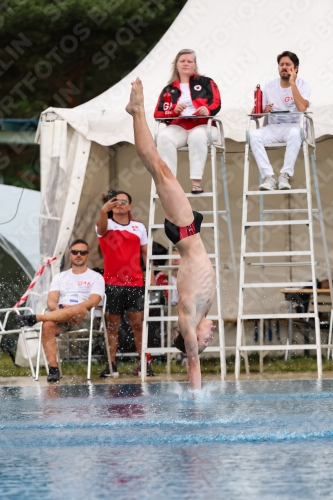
[{"x": 186, "y": 322}]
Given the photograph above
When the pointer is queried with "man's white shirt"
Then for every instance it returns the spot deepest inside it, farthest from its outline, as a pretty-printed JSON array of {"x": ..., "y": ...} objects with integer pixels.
[
  {"x": 283, "y": 100},
  {"x": 76, "y": 288}
]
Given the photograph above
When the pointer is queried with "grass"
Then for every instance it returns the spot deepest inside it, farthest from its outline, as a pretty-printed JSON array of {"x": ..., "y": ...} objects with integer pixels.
[
  {"x": 279, "y": 365},
  {"x": 208, "y": 366}
]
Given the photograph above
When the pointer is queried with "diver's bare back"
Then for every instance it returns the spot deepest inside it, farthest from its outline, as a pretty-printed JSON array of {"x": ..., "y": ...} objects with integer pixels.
[{"x": 196, "y": 277}]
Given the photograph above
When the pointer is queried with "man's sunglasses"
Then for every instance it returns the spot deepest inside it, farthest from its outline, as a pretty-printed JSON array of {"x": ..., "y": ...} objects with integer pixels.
[
  {"x": 81, "y": 252},
  {"x": 123, "y": 202}
]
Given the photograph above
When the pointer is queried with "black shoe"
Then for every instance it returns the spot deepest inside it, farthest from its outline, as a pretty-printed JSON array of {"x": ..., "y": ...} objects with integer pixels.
[
  {"x": 137, "y": 370},
  {"x": 106, "y": 372},
  {"x": 54, "y": 374},
  {"x": 150, "y": 372},
  {"x": 28, "y": 320}
]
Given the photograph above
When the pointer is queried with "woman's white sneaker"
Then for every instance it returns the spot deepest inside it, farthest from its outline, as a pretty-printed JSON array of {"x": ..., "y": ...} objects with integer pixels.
[
  {"x": 269, "y": 184},
  {"x": 284, "y": 181}
]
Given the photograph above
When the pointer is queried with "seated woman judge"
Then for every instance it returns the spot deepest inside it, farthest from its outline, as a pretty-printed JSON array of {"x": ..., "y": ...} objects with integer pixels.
[{"x": 191, "y": 94}]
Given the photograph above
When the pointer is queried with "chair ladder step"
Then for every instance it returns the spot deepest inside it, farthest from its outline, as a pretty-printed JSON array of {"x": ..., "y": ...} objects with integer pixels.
[
  {"x": 290, "y": 211},
  {"x": 175, "y": 318},
  {"x": 276, "y": 223},
  {"x": 164, "y": 350},
  {"x": 278, "y": 316},
  {"x": 280, "y": 264},
  {"x": 171, "y": 256},
  {"x": 208, "y": 194},
  {"x": 161, "y": 287},
  {"x": 276, "y": 192},
  {"x": 210, "y": 212},
  {"x": 277, "y": 347},
  {"x": 287, "y": 253},
  {"x": 285, "y": 284}
]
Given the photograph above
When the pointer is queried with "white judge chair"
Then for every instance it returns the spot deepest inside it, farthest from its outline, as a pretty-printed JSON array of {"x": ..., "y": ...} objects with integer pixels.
[{"x": 86, "y": 335}]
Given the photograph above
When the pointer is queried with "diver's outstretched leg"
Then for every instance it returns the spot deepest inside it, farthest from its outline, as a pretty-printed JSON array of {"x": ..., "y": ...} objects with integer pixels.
[{"x": 176, "y": 205}]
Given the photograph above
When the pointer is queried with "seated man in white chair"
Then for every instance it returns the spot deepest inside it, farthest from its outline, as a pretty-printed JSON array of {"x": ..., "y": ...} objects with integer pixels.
[
  {"x": 287, "y": 93},
  {"x": 72, "y": 294}
]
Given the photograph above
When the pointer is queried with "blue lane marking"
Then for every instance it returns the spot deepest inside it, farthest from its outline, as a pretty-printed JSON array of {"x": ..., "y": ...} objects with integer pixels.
[{"x": 116, "y": 440}]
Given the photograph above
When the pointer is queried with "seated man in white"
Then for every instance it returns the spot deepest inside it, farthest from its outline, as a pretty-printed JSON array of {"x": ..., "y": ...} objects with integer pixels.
[
  {"x": 72, "y": 294},
  {"x": 287, "y": 93}
]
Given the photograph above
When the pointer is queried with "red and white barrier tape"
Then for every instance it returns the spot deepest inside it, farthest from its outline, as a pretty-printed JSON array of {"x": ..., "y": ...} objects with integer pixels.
[{"x": 32, "y": 284}]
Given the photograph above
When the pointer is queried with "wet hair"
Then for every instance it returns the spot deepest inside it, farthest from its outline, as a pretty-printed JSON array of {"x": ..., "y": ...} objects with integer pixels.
[
  {"x": 180, "y": 344},
  {"x": 175, "y": 74},
  {"x": 77, "y": 242},
  {"x": 293, "y": 57}
]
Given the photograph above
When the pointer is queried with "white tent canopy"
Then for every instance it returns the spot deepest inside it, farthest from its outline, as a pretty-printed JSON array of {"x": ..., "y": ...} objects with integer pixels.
[
  {"x": 236, "y": 45},
  {"x": 19, "y": 224}
]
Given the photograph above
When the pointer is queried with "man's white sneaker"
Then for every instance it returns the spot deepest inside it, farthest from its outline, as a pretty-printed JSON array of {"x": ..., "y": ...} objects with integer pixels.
[
  {"x": 284, "y": 181},
  {"x": 269, "y": 184}
]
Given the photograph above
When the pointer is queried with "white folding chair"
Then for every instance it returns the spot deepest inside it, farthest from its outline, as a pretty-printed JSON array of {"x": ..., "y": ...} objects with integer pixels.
[
  {"x": 21, "y": 331},
  {"x": 89, "y": 338}
]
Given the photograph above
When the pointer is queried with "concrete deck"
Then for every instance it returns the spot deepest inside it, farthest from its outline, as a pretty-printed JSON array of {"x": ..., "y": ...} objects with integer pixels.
[{"x": 81, "y": 380}]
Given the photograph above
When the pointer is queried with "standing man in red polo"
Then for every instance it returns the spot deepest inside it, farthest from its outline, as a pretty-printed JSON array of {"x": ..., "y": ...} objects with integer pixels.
[{"x": 123, "y": 241}]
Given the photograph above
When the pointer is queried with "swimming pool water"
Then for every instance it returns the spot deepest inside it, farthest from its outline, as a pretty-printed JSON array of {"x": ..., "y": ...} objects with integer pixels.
[{"x": 251, "y": 440}]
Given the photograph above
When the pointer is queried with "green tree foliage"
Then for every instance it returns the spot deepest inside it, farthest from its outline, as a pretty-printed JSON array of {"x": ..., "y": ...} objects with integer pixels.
[{"x": 65, "y": 52}]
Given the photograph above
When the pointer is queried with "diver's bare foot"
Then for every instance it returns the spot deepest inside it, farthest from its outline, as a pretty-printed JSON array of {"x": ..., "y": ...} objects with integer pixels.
[{"x": 135, "y": 104}]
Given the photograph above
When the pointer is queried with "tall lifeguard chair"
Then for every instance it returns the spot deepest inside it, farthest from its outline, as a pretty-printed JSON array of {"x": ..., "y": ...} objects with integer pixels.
[
  {"x": 213, "y": 214},
  {"x": 284, "y": 258}
]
